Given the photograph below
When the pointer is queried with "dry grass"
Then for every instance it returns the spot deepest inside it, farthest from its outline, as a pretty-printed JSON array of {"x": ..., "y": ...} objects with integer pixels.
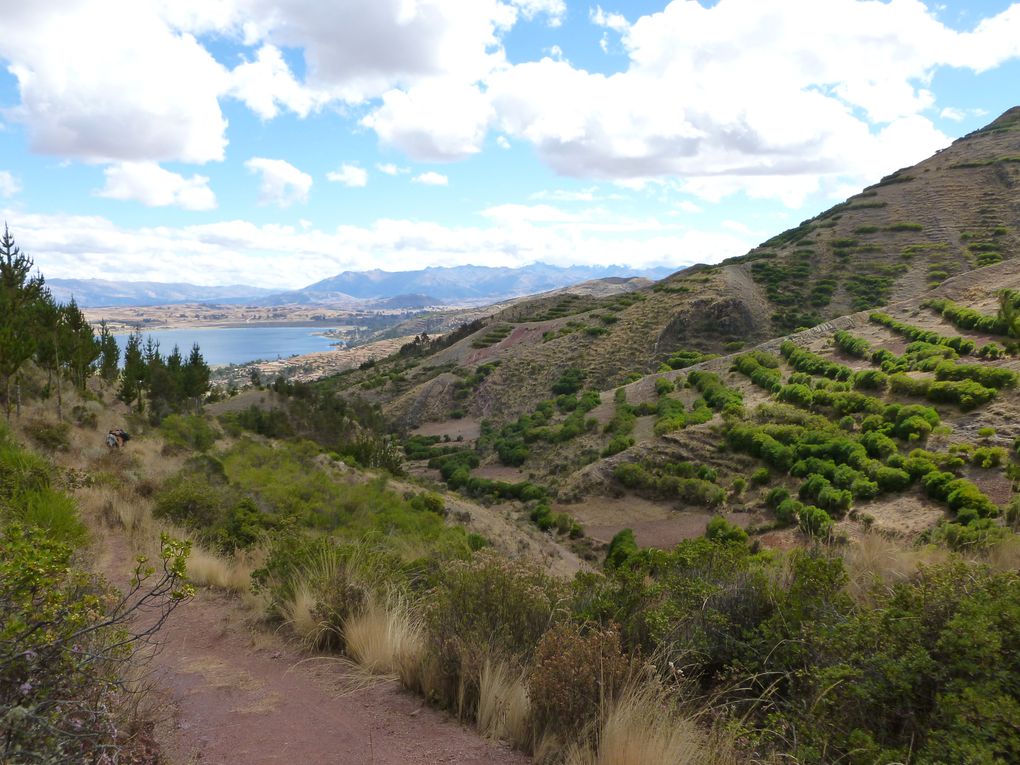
[
  {"x": 299, "y": 613},
  {"x": 503, "y": 706},
  {"x": 641, "y": 728},
  {"x": 1004, "y": 556},
  {"x": 874, "y": 560},
  {"x": 387, "y": 638}
]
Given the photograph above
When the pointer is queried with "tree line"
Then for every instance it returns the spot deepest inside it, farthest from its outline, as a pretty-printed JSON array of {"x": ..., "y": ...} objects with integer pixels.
[{"x": 35, "y": 327}]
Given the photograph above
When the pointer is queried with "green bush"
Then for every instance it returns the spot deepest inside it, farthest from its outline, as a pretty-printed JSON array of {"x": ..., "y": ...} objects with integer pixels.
[
  {"x": 721, "y": 530},
  {"x": 574, "y": 674},
  {"x": 50, "y": 436},
  {"x": 814, "y": 521},
  {"x": 188, "y": 431},
  {"x": 487, "y": 607}
]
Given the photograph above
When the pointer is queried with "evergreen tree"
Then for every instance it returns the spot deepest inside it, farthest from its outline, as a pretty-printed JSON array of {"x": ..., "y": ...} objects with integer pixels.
[
  {"x": 49, "y": 344},
  {"x": 196, "y": 377},
  {"x": 109, "y": 366},
  {"x": 132, "y": 381},
  {"x": 19, "y": 295},
  {"x": 82, "y": 346}
]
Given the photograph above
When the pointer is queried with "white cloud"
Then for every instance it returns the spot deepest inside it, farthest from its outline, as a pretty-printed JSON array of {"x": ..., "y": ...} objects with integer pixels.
[
  {"x": 431, "y": 179},
  {"x": 565, "y": 195},
  {"x": 688, "y": 206},
  {"x": 112, "y": 81},
  {"x": 237, "y": 251},
  {"x": 952, "y": 113},
  {"x": 388, "y": 168},
  {"x": 9, "y": 185},
  {"x": 555, "y": 10},
  {"x": 435, "y": 121},
  {"x": 755, "y": 92},
  {"x": 360, "y": 49},
  {"x": 613, "y": 21},
  {"x": 267, "y": 82},
  {"x": 502, "y": 142},
  {"x": 154, "y": 186},
  {"x": 282, "y": 184},
  {"x": 349, "y": 175},
  {"x": 516, "y": 214}
]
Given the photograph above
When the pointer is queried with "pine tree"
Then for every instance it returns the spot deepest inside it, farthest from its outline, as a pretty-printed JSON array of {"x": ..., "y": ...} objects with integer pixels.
[
  {"x": 196, "y": 375},
  {"x": 82, "y": 346},
  {"x": 19, "y": 294},
  {"x": 109, "y": 366},
  {"x": 49, "y": 345},
  {"x": 132, "y": 380}
]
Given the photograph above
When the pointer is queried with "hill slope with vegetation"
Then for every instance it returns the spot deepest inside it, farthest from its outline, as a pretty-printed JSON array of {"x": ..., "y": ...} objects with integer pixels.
[{"x": 646, "y": 527}]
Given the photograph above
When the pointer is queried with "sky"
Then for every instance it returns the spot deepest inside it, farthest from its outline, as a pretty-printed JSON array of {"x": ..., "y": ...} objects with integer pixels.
[{"x": 279, "y": 142}]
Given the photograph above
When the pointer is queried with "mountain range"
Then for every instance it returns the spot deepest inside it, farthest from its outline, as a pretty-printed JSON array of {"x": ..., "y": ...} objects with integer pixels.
[{"x": 456, "y": 285}]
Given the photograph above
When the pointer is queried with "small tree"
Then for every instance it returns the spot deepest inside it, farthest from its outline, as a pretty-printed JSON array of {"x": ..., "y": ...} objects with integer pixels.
[
  {"x": 109, "y": 366},
  {"x": 132, "y": 381},
  {"x": 19, "y": 294}
]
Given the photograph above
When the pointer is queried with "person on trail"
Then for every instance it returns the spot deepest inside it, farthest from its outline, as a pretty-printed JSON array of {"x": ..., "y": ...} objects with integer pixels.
[{"x": 116, "y": 438}]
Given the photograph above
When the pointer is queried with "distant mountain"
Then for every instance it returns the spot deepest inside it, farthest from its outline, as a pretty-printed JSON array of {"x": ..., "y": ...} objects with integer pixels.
[
  {"x": 92, "y": 293},
  {"x": 457, "y": 284}
]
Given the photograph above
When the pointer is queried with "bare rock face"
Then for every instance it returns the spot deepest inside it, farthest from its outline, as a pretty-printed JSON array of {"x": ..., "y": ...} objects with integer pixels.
[{"x": 716, "y": 318}]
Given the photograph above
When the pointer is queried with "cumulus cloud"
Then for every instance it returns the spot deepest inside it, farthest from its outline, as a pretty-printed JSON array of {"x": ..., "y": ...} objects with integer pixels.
[
  {"x": 281, "y": 183},
  {"x": 266, "y": 83},
  {"x": 768, "y": 96},
  {"x": 154, "y": 186},
  {"x": 388, "y": 168},
  {"x": 436, "y": 121},
  {"x": 431, "y": 179},
  {"x": 9, "y": 185},
  {"x": 112, "y": 81},
  {"x": 351, "y": 176},
  {"x": 238, "y": 251}
]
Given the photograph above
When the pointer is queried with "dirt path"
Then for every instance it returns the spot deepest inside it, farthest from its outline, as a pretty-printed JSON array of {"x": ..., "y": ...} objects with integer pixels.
[
  {"x": 239, "y": 698},
  {"x": 227, "y": 692}
]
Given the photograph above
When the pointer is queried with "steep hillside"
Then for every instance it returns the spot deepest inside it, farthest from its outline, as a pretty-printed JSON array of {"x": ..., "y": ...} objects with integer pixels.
[
  {"x": 952, "y": 213},
  {"x": 618, "y": 411}
]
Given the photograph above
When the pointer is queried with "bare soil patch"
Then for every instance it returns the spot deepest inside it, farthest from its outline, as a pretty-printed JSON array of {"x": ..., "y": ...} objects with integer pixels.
[{"x": 654, "y": 524}]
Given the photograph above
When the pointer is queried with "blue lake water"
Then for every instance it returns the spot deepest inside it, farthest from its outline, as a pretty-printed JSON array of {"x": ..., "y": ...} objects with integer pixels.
[{"x": 237, "y": 345}]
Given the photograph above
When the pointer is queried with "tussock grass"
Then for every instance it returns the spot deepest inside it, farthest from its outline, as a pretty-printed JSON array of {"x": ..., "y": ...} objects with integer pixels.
[
  {"x": 387, "y": 638},
  {"x": 503, "y": 706},
  {"x": 641, "y": 728},
  {"x": 875, "y": 560}
]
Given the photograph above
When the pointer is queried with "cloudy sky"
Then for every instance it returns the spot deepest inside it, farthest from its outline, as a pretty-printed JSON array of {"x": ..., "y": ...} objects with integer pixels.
[{"x": 277, "y": 142}]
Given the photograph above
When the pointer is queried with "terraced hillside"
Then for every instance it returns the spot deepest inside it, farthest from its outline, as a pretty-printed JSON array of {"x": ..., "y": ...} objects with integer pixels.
[
  {"x": 658, "y": 408},
  {"x": 957, "y": 211}
]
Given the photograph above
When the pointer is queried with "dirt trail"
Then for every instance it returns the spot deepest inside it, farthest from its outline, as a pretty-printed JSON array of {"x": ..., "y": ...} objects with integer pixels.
[
  {"x": 232, "y": 695},
  {"x": 228, "y": 693},
  {"x": 236, "y": 699}
]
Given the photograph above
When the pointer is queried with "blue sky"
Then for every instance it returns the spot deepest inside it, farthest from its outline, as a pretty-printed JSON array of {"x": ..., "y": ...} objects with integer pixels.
[{"x": 277, "y": 142}]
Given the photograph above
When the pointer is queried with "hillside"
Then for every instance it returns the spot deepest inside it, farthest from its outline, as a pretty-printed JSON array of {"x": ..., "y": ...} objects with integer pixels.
[{"x": 562, "y": 390}]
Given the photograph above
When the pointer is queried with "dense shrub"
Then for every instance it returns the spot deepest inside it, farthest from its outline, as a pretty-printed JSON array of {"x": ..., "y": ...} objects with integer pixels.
[
  {"x": 487, "y": 607},
  {"x": 853, "y": 346},
  {"x": 767, "y": 377},
  {"x": 716, "y": 394},
  {"x": 188, "y": 431},
  {"x": 983, "y": 374},
  {"x": 811, "y": 363}
]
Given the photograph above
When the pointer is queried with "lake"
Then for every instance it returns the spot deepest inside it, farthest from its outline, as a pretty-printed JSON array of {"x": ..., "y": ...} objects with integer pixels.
[{"x": 238, "y": 345}]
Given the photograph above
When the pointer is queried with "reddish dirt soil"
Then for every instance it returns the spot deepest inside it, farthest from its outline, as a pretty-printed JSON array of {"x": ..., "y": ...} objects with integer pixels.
[
  {"x": 467, "y": 428},
  {"x": 239, "y": 700},
  {"x": 653, "y": 524}
]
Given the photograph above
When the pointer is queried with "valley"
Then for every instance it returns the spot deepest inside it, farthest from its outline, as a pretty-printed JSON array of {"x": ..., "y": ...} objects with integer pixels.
[{"x": 758, "y": 511}]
